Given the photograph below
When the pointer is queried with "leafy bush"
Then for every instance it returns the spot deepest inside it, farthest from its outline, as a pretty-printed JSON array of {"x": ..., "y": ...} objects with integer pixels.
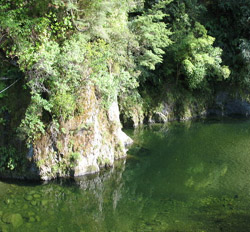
[{"x": 8, "y": 158}]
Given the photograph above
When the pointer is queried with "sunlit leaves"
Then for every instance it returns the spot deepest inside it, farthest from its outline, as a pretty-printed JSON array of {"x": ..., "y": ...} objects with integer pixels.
[
  {"x": 202, "y": 59},
  {"x": 193, "y": 56},
  {"x": 152, "y": 35}
]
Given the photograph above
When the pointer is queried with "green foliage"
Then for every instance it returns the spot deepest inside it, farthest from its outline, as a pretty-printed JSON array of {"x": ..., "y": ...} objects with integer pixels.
[
  {"x": 58, "y": 60},
  {"x": 64, "y": 104},
  {"x": 9, "y": 159},
  {"x": 56, "y": 71},
  {"x": 2, "y": 87},
  {"x": 106, "y": 74},
  {"x": 200, "y": 59},
  {"x": 228, "y": 21},
  {"x": 193, "y": 56},
  {"x": 131, "y": 107},
  {"x": 74, "y": 156},
  {"x": 245, "y": 72},
  {"x": 31, "y": 126},
  {"x": 62, "y": 47},
  {"x": 152, "y": 35}
]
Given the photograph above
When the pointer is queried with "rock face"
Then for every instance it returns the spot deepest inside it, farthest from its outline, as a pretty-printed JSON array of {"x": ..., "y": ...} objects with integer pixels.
[
  {"x": 94, "y": 139},
  {"x": 223, "y": 104},
  {"x": 226, "y": 105},
  {"x": 163, "y": 115},
  {"x": 83, "y": 144},
  {"x": 168, "y": 112}
]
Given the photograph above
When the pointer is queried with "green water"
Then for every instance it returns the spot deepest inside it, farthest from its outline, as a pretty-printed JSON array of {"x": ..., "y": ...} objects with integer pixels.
[{"x": 192, "y": 176}]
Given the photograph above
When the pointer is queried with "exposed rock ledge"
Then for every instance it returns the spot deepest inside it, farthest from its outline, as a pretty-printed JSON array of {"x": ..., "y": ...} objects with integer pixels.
[
  {"x": 221, "y": 105},
  {"x": 81, "y": 145}
]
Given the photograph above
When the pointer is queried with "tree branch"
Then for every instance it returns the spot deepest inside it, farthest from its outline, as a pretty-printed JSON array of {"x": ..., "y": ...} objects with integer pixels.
[
  {"x": 6, "y": 78},
  {"x": 9, "y": 86}
]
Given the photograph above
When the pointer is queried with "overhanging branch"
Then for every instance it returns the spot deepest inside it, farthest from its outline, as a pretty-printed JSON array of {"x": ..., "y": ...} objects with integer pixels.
[
  {"x": 7, "y": 78},
  {"x": 9, "y": 86}
]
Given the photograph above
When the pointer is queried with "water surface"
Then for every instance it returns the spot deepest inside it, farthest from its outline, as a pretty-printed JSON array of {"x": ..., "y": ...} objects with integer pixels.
[{"x": 192, "y": 176}]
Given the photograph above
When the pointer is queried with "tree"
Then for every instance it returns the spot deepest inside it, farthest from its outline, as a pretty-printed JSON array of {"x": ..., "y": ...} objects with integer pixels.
[
  {"x": 228, "y": 21},
  {"x": 152, "y": 35},
  {"x": 191, "y": 58}
]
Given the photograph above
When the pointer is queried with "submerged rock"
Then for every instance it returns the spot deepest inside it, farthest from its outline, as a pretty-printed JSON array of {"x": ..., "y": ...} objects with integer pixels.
[
  {"x": 16, "y": 220},
  {"x": 8, "y": 201}
]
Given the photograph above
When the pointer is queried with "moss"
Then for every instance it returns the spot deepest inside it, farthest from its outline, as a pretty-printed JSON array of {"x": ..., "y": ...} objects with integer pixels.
[
  {"x": 73, "y": 158},
  {"x": 119, "y": 150},
  {"x": 40, "y": 163},
  {"x": 54, "y": 170},
  {"x": 187, "y": 114},
  {"x": 92, "y": 169},
  {"x": 63, "y": 130},
  {"x": 103, "y": 161},
  {"x": 59, "y": 145}
]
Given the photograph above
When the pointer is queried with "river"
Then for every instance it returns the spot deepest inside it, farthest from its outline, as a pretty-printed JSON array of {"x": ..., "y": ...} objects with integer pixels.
[{"x": 181, "y": 176}]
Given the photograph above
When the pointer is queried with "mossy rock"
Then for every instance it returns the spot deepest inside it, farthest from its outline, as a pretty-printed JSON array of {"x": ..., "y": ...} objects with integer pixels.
[
  {"x": 25, "y": 206},
  {"x": 60, "y": 229},
  {"x": 16, "y": 220},
  {"x": 28, "y": 225}
]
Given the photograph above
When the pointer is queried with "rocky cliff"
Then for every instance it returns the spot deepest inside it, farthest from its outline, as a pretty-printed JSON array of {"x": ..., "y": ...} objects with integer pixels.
[
  {"x": 90, "y": 140},
  {"x": 84, "y": 143},
  {"x": 186, "y": 107}
]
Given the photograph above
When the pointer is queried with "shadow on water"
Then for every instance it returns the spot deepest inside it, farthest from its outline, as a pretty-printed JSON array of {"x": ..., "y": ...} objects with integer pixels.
[{"x": 191, "y": 176}]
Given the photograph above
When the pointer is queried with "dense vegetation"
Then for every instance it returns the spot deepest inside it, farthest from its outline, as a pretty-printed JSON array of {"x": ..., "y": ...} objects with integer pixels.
[{"x": 138, "y": 51}]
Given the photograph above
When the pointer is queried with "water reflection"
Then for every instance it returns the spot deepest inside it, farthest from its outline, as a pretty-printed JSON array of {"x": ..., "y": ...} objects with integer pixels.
[{"x": 178, "y": 177}]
